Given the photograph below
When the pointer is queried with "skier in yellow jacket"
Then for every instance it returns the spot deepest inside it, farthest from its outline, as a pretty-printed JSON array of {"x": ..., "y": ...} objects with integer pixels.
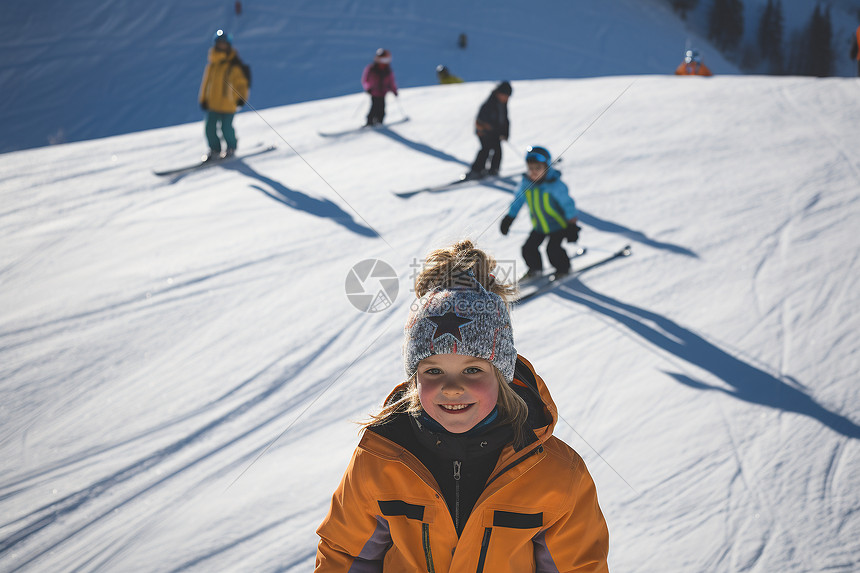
[
  {"x": 460, "y": 470},
  {"x": 446, "y": 77},
  {"x": 223, "y": 90}
]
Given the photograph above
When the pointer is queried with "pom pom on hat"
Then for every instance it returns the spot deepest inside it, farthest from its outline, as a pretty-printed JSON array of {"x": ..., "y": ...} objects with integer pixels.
[{"x": 383, "y": 56}]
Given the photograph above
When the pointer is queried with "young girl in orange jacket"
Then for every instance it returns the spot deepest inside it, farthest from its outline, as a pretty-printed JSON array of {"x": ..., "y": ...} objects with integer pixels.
[{"x": 460, "y": 471}]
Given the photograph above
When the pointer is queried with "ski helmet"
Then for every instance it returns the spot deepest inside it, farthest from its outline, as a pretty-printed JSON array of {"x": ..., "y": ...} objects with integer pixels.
[
  {"x": 691, "y": 56},
  {"x": 383, "y": 56},
  {"x": 441, "y": 70},
  {"x": 221, "y": 35},
  {"x": 504, "y": 88},
  {"x": 538, "y": 154}
]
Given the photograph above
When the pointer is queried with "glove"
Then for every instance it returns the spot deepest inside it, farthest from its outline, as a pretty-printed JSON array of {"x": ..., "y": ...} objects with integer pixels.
[
  {"x": 204, "y": 106},
  {"x": 241, "y": 101},
  {"x": 506, "y": 224},
  {"x": 571, "y": 233},
  {"x": 396, "y": 95}
]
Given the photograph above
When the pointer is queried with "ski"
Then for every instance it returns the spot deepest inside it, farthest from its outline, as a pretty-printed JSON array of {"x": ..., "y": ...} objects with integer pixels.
[
  {"x": 206, "y": 164},
  {"x": 454, "y": 184},
  {"x": 534, "y": 282},
  {"x": 545, "y": 283},
  {"x": 362, "y": 128}
]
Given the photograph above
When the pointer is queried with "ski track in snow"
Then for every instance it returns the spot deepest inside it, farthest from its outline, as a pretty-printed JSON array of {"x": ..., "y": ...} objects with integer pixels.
[{"x": 133, "y": 481}]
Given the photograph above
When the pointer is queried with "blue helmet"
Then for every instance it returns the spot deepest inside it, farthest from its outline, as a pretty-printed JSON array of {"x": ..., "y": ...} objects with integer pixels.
[
  {"x": 222, "y": 36},
  {"x": 538, "y": 154}
]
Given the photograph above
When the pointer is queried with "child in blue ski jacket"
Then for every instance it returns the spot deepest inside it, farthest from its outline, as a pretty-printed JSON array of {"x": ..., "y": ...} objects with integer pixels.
[{"x": 553, "y": 214}]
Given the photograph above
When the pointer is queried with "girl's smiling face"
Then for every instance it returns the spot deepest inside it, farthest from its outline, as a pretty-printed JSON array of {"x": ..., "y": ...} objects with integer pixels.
[{"x": 457, "y": 391}]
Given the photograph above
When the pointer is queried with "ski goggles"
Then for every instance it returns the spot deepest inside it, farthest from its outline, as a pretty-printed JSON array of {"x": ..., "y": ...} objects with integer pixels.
[{"x": 537, "y": 154}]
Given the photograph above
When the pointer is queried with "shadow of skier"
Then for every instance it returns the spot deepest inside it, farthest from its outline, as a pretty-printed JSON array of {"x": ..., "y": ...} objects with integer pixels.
[
  {"x": 323, "y": 208},
  {"x": 746, "y": 381},
  {"x": 638, "y": 236},
  {"x": 420, "y": 147}
]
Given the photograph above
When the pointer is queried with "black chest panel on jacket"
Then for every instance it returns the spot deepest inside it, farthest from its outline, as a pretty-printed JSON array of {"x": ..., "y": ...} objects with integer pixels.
[{"x": 477, "y": 456}]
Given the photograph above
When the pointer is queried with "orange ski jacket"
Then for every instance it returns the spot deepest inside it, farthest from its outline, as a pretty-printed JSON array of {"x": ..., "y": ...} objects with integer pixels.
[
  {"x": 224, "y": 83},
  {"x": 538, "y": 511},
  {"x": 692, "y": 69},
  {"x": 855, "y": 49}
]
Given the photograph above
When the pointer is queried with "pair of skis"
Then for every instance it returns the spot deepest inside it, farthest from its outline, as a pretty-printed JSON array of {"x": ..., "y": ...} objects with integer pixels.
[
  {"x": 461, "y": 182},
  {"x": 546, "y": 283},
  {"x": 363, "y": 128},
  {"x": 204, "y": 164}
]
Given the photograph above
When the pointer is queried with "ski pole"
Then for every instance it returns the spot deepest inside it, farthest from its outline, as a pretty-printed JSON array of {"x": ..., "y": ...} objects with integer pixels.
[
  {"x": 400, "y": 107},
  {"x": 360, "y": 105},
  {"x": 514, "y": 149}
]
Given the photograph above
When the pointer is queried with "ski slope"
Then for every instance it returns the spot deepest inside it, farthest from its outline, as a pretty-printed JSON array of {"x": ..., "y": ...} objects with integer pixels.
[{"x": 182, "y": 369}]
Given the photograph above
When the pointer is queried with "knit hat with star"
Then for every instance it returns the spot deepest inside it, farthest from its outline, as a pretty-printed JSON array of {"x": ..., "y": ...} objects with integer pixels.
[{"x": 461, "y": 319}]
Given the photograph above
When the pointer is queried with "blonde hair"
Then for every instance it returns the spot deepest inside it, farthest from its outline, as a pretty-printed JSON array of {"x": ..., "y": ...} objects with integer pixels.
[{"x": 444, "y": 267}]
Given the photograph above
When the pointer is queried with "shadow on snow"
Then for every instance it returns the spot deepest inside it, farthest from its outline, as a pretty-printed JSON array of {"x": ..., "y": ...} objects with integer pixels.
[
  {"x": 420, "y": 147},
  {"x": 746, "y": 381},
  {"x": 107, "y": 487},
  {"x": 323, "y": 208},
  {"x": 638, "y": 236}
]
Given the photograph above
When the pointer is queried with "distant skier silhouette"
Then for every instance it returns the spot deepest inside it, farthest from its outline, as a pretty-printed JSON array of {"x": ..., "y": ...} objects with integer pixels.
[
  {"x": 377, "y": 80},
  {"x": 223, "y": 90},
  {"x": 446, "y": 77},
  {"x": 692, "y": 65}
]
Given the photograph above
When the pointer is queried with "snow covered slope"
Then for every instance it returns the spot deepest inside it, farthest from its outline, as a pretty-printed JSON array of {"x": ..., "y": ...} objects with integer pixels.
[
  {"x": 181, "y": 367},
  {"x": 93, "y": 68}
]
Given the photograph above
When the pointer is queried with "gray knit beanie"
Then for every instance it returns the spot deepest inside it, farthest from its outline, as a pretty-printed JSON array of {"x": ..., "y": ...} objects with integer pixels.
[{"x": 465, "y": 320}]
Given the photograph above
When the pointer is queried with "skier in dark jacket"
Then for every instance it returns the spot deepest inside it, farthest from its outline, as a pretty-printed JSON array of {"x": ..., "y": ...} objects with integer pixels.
[{"x": 492, "y": 126}]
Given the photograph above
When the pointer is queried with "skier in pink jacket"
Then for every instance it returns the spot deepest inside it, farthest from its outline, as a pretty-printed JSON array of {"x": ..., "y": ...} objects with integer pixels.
[{"x": 378, "y": 80}]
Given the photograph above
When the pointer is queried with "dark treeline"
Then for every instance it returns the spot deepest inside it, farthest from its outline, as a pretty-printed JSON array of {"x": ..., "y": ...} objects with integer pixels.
[{"x": 808, "y": 51}]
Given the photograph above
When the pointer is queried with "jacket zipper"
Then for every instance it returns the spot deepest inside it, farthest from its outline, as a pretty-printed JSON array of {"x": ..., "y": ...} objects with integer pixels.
[
  {"x": 457, "y": 465},
  {"x": 485, "y": 544},
  {"x": 425, "y": 538}
]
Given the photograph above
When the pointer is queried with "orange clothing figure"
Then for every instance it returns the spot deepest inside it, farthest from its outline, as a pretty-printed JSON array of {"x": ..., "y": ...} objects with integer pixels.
[
  {"x": 692, "y": 69},
  {"x": 692, "y": 65}
]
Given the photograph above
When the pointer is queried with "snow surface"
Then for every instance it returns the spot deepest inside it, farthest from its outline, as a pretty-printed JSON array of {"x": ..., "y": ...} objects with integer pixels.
[{"x": 182, "y": 370}]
